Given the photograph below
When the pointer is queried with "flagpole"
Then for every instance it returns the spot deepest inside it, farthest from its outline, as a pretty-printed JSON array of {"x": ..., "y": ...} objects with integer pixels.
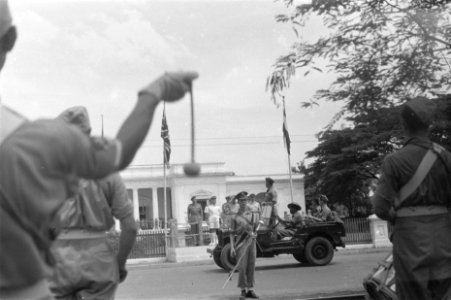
[
  {"x": 291, "y": 180},
  {"x": 288, "y": 151},
  {"x": 165, "y": 198},
  {"x": 165, "y": 181}
]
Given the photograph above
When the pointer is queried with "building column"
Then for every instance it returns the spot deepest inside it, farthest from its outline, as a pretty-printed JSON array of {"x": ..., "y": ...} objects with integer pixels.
[
  {"x": 135, "y": 204},
  {"x": 154, "y": 203}
]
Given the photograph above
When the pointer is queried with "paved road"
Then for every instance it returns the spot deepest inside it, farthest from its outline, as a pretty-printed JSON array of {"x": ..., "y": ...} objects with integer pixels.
[{"x": 276, "y": 278}]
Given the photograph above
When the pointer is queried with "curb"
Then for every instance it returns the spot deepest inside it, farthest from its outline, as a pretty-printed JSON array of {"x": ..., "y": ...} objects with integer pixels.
[
  {"x": 162, "y": 262},
  {"x": 363, "y": 248}
]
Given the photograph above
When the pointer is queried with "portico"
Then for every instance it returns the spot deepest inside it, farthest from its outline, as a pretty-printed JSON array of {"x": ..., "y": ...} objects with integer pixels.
[{"x": 145, "y": 187}]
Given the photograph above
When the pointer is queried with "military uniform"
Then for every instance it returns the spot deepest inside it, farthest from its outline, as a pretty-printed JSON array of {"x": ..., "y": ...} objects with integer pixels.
[
  {"x": 271, "y": 197},
  {"x": 195, "y": 220},
  {"x": 422, "y": 225},
  {"x": 243, "y": 226},
  {"x": 326, "y": 214},
  {"x": 297, "y": 221},
  {"x": 36, "y": 180},
  {"x": 86, "y": 265}
]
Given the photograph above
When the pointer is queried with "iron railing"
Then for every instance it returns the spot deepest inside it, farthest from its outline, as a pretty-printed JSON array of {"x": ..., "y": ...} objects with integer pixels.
[
  {"x": 357, "y": 231},
  {"x": 151, "y": 243}
]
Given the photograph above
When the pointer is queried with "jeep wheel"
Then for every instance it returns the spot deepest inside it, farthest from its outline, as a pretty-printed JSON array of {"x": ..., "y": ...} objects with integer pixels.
[
  {"x": 217, "y": 258},
  {"x": 228, "y": 262},
  {"x": 300, "y": 257},
  {"x": 319, "y": 251}
]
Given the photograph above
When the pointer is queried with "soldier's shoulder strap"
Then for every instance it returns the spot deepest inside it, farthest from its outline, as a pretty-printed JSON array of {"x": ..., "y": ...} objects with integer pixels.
[{"x": 423, "y": 169}]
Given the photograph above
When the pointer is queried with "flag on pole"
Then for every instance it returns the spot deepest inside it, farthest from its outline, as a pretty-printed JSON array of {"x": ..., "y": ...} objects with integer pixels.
[
  {"x": 286, "y": 136},
  {"x": 165, "y": 137}
]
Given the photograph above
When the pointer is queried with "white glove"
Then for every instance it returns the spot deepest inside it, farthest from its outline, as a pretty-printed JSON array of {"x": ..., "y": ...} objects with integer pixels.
[{"x": 170, "y": 86}]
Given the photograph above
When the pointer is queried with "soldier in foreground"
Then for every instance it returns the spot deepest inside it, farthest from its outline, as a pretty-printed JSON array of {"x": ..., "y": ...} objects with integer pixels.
[
  {"x": 414, "y": 194},
  {"x": 86, "y": 265},
  {"x": 40, "y": 164}
]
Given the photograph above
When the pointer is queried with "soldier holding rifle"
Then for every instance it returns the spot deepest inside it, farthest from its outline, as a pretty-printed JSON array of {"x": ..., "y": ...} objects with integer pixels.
[{"x": 244, "y": 247}]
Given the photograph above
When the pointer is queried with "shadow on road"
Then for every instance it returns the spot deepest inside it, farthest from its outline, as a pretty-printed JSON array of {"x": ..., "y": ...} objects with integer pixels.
[
  {"x": 271, "y": 267},
  {"x": 215, "y": 271},
  {"x": 288, "y": 266}
]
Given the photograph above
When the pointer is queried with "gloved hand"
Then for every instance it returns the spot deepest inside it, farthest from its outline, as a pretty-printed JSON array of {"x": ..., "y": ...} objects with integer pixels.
[{"x": 171, "y": 86}]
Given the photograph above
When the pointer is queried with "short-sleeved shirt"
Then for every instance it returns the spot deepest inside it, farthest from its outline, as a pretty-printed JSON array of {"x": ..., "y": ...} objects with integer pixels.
[
  {"x": 94, "y": 207},
  {"x": 214, "y": 214},
  {"x": 399, "y": 167},
  {"x": 40, "y": 164},
  {"x": 116, "y": 193},
  {"x": 213, "y": 211},
  {"x": 194, "y": 213},
  {"x": 234, "y": 208},
  {"x": 271, "y": 195}
]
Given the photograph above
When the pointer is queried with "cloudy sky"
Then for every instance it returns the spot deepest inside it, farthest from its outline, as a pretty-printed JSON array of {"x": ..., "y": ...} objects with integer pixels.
[{"x": 100, "y": 53}]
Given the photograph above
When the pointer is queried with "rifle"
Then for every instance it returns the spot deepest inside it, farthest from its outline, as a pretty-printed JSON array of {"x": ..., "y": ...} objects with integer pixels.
[{"x": 244, "y": 252}]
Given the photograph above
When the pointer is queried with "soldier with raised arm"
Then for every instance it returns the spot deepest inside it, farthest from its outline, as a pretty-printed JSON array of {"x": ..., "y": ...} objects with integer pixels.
[{"x": 40, "y": 166}]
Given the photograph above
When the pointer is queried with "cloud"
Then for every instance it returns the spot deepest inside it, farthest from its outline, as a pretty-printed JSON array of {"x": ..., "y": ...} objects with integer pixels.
[
  {"x": 98, "y": 53},
  {"x": 123, "y": 39},
  {"x": 37, "y": 28}
]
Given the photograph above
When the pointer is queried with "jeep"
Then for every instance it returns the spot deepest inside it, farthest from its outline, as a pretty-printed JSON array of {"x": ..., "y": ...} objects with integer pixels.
[{"x": 313, "y": 244}]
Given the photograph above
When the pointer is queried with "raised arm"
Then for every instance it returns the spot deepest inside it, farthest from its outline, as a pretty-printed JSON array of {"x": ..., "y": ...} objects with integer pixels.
[{"x": 169, "y": 87}]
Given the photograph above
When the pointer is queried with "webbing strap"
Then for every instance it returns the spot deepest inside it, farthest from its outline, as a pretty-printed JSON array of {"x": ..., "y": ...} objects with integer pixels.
[{"x": 421, "y": 172}]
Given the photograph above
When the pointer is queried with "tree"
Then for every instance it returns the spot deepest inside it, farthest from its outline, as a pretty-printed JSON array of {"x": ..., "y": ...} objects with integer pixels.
[
  {"x": 376, "y": 48},
  {"x": 383, "y": 53},
  {"x": 347, "y": 161}
]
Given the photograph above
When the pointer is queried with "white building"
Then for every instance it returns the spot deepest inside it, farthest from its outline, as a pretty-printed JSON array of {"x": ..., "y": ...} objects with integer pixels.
[{"x": 145, "y": 186}]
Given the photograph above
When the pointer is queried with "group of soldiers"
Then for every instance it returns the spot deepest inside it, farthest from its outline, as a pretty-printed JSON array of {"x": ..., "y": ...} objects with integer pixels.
[
  {"x": 320, "y": 210},
  {"x": 231, "y": 207},
  {"x": 257, "y": 206}
]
